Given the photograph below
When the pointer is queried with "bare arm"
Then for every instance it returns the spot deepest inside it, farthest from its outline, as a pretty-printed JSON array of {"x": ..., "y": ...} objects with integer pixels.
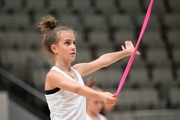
[
  {"x": 55, "y": 79},
  {"x": 105, "y": 60}
]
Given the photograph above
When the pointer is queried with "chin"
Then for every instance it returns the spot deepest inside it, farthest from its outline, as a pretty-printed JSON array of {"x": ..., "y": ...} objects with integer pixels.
[
  {"x": 98, "y": 111},
  {"x": 72, "y": 60}
]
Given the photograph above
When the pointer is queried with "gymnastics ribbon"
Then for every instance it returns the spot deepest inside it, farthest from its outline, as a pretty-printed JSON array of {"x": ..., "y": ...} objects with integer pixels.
[{"x": 146, "y": 19}]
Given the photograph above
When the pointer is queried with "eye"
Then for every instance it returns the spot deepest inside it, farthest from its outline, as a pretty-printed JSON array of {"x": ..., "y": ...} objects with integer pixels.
[
  {"x": 67, "y": 43},
  {"x": 74, "y": 42}
]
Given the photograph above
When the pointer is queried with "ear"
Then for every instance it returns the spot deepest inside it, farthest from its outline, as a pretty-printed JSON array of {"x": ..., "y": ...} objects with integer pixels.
[{"x": 54, "y": 49}]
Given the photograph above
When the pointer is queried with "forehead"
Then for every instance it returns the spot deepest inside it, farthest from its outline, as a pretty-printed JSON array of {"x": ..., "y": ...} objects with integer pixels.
[
  {"x": 95, "y": 100},
  {"x": 66, "y": 35}
]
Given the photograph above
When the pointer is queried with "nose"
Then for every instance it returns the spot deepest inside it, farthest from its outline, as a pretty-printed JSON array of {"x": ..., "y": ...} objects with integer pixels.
[{"x": 73, "y": 46}]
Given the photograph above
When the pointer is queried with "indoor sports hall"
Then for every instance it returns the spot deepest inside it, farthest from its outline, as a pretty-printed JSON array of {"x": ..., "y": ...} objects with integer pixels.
[{"x": 152, "y": 87}]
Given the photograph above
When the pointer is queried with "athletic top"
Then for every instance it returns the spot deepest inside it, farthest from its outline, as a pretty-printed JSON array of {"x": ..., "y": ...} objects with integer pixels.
[
  {"x": 66, "y": 105},
  {"x": 101, "y": 117}
]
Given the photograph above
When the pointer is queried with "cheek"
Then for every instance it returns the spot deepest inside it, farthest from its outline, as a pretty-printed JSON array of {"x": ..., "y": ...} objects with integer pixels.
[
  {"x": 64, "y": 50},
  {"x": 91, "y": 104},
  {"x": 97, "y": 105},
  {"x": 101, "y": 106}
]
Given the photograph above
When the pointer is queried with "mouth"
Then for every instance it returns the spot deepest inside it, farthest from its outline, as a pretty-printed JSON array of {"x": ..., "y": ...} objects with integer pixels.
[{"x": 72, "y": 53}]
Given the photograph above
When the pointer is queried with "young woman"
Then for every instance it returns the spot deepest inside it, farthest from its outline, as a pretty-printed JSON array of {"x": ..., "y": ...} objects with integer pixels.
[
  {"x": 94, "y": 105},
  {"x": 64, "y": 88}
]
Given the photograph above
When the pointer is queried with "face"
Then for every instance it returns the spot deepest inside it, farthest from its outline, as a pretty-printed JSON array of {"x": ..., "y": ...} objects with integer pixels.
[
  {"x": 94, "y": 105},
  {"x": 66, "y": 48}
]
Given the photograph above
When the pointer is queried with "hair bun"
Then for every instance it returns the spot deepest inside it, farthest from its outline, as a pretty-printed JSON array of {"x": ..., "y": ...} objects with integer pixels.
[
  {"x": 52, "y": 27},
  {"x": 47, "y": 23}
]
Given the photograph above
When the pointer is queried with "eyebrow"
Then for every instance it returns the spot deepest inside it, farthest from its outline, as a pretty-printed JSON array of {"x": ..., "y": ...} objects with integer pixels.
[{"x": 70, "y": 40}]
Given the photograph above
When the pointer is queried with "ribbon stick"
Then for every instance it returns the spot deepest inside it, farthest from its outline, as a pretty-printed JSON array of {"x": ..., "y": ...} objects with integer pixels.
[{"x": 146, "y": 19}]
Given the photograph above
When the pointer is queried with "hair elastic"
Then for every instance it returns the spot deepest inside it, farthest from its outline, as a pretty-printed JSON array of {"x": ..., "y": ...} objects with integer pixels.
[{"x": 52, "y": 27}]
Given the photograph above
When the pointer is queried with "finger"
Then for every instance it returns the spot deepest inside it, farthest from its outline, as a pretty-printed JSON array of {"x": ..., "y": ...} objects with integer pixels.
[
  {"x": 122, "y": 47},
  {"x": 131, "y": 44},
  {"x": 114, "y": 96},
  {"x": 128, "y": 43},
  {"x": 111, "y": 103},
  {"x": 138, "y": 53},
  {"x": 112, "y": 99}
]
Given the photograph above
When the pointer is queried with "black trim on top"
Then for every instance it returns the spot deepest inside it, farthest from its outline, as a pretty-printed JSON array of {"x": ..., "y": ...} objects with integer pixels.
[{"x": 47, "y": 92}]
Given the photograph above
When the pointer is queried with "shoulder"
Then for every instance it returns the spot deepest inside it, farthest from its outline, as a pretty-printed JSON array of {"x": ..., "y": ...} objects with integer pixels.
[
  {"x": 102, "y": 117},
  {"x": 49, "y": 78},
  {"x": 52, "y": 78},
  {"x": 88, "y": 117},
  {"x": 78, "y": 67},
  {"x": 51, "y": 74},
  {"x": 55, "y": 74}
]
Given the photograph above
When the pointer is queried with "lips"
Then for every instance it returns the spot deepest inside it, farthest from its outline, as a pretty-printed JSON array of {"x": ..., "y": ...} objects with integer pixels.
[{"x": 73, "y": 54}]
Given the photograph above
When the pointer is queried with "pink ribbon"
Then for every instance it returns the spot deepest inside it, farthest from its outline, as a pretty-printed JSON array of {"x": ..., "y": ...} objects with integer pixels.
[{"x": 135, "y": 49}]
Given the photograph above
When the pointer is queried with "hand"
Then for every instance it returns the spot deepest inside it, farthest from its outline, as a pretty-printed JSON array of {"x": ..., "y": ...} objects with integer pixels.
[
  {"x": 107, "y": 108},
  {"x": 129, "y": 47},
  {"x": 108, "y": 99}
]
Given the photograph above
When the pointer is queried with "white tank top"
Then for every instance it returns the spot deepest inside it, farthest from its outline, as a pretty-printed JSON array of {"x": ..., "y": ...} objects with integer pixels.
[
  {"x": 101, "y": 117},
  {"x": 66, "y": 105}
]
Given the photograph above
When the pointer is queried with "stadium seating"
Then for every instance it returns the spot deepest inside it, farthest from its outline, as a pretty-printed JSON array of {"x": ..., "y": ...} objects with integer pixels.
[{"x": 102, "y": 26}]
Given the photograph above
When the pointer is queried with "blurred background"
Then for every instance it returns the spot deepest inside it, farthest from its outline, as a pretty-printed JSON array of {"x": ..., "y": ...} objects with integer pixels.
[{"x": 152, "y": 87}]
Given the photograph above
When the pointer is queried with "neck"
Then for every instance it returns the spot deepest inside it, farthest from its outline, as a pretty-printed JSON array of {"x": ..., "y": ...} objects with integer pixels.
[
  {"x": 92, "y": 115},
  {"x": 63, "y": 66},
  {"x": 67, "y": 70}
]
